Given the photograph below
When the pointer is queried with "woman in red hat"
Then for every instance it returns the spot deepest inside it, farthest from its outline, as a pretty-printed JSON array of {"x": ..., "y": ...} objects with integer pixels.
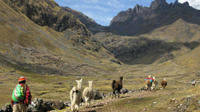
[{"x": 21, "y": 96}]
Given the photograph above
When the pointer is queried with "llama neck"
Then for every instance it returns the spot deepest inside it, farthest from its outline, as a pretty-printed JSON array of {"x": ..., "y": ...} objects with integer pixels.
[
  {"x": 90, "y": 85},
  {"x": 79, "y": 86}
]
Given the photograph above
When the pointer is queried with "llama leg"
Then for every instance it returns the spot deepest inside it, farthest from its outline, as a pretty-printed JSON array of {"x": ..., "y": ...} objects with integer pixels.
[
  {"x": 146, "y": 87},
  {"x": 86, "y": 101},
  {"x": 118, "y": 94},
  {"x": 72, "y": 107},
  {"x": 113, "y": 95},
  {"x": 76, "y": 108}
]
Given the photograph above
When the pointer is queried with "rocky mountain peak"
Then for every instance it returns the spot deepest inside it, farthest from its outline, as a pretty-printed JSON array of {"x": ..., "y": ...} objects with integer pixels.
[
  {"x": 138, "y": 8},
  {"x": 155, "y": 4},
  {"x": 140, "y": 20}
]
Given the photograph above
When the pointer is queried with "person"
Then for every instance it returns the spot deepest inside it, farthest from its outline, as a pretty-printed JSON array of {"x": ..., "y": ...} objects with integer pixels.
[
  {"x": 21, "y": 96},
  {"x": 149, "y": 78}
]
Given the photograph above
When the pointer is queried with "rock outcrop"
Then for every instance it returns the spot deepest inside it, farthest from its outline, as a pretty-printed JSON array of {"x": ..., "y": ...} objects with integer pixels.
[{"x": 48, "y": 13}]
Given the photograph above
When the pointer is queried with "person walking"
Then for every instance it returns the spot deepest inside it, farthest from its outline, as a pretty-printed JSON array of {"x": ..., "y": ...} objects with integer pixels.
[{"x": 21, "y": 96}]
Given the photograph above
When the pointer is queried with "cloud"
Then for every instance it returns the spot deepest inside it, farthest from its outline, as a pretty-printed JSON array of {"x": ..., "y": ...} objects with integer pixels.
[{"x": 193, "y": 3}]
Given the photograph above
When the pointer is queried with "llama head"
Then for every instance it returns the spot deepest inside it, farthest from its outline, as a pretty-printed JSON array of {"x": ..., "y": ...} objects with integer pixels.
[
  {"x": 164, "y": 79},
  {"x": 79, "y": 83},
  {"x": 154, "y": 78},
  {"x": 149, "y": 76},
  {"x": 90, "y": 83}
]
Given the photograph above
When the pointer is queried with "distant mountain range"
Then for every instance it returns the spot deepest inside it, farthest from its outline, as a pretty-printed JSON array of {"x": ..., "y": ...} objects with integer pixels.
[{"x": 140, "y": 20}]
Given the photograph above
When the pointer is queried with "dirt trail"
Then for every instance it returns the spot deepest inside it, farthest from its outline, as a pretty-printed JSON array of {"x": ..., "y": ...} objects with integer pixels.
[{"x": 98, "y": 105}]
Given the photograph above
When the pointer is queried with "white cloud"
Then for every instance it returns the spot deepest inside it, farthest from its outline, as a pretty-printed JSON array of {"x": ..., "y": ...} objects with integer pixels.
[{"x": 193, "y": 3}]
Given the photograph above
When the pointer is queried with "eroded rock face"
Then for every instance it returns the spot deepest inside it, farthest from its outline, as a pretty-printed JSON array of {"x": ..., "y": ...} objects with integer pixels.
[
  {"x": 48, "y": 13},
  {"x": 140, "y": 20}
]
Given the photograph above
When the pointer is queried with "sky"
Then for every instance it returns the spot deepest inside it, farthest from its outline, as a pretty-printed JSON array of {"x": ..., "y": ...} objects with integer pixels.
[{"x": 102, "y": 11}]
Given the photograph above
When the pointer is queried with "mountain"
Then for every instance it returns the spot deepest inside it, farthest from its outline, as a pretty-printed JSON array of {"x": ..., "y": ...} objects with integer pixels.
[
  {"x": 89, "y": 23},
  {"x": 162, "y": 44},
  {"x": 179, "y": 31},
  {"x": 34, "y": 48},
  {"x": 48, "y": 13},
  {"x": 141, "y": 20}
]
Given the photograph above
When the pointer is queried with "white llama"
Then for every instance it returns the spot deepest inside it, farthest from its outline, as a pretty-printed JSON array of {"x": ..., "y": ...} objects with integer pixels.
[
  {"x": 76, "y": 95},
  {"x": 88, "y": 94}
]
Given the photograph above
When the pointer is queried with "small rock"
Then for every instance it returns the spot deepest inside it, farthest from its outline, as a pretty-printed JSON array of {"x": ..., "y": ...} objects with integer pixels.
[
  {"x": 199, "y": 102},
  {"x": 124, "y": 91},
  {"x": 98, "y": 95},
  {"x": 154, "y": 102},
  {"x": 67, "y": 104},
  {"x": 58, "y": 105},
  {"x": 7, "y": 108}
]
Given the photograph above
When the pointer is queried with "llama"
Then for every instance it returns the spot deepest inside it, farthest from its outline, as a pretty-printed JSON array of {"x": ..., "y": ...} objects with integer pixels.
[
  {"x": 164, "y": 83},
  {"x": 76, "y": 95},
  {"x": 88, "y": 94},
  {"x": 154, "y": 84},
  {"x": 117, "y": 86},
  {"x": 148, "y": 84}
]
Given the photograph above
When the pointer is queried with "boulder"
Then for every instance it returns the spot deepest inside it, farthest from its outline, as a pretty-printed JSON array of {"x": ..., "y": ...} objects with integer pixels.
[
  {"x": 98, "y": 95},
  {"x": 6, "y": 108},
  {"x": 124, "y": 91}
]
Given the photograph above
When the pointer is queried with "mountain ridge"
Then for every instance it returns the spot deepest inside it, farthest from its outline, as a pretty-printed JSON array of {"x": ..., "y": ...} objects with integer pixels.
[
  {"x": 140, "y": 20},
  {"x": 48, "y": 13}
]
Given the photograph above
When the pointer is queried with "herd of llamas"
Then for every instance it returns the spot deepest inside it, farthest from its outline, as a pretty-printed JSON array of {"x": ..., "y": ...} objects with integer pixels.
[{"x": 87, "y": 94}]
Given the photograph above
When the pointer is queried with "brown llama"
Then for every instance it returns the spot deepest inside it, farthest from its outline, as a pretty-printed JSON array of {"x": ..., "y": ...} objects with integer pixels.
[
  {"x": 117, "y": 86},
  {"x": 154, "y": 84},
  {"x": 164, "y": 83},
  {"x": 148, "y": 84}
]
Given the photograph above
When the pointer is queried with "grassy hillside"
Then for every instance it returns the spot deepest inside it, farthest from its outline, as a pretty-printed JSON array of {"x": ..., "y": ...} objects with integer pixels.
[
  {"x": 31, "y": 50},
  {"x": 179, "y": 31}
]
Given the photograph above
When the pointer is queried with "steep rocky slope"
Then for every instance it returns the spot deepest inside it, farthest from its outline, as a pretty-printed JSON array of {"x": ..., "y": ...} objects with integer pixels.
[
  {"x": 48, "y": 13},
  {"x": 140, "y": 20},
  {"x": 29, "y": 47},
  {"x": 89, "y": 23}
]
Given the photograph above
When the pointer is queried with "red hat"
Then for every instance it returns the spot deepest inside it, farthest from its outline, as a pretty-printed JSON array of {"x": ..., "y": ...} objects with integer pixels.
[{"x": 22, "y": 79}]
